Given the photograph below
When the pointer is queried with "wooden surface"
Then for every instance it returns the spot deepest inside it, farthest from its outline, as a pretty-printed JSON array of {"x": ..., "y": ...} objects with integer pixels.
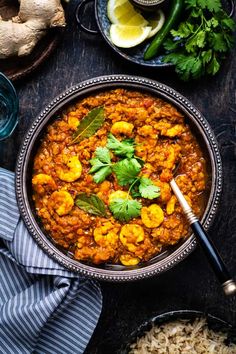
[{"x": 191, "y": 284}]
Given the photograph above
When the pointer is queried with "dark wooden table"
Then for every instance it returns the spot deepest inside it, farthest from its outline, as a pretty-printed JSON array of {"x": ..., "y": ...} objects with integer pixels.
[{"x": 191, "y": 284}]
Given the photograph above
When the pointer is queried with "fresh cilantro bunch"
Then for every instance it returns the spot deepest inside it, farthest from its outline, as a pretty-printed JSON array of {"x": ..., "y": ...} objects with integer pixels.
[
  {"x": 127, "y": 171},
  {"x": 200, "y": 43}
]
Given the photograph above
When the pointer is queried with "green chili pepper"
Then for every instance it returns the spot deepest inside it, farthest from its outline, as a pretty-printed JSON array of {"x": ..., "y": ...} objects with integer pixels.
[{"x": 156, "y": 43}]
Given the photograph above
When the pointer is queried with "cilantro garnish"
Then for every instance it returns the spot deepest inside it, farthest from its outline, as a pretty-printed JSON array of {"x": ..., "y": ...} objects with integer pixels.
[
  {"x": 200, "y": 43},
  {"x": 125, "y": 209},
  {"x": 121, "y": 148},
  {"x": 126, "y": 171},
  {"x": 101, "y": 164},
  {"x": 148, "y": 189}
]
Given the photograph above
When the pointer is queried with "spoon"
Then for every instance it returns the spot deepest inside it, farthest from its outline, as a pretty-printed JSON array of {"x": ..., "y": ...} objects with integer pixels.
[{"x": 228, "y": 284}]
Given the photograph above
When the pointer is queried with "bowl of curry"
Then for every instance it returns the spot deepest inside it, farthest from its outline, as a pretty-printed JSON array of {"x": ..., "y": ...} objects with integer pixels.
[{"x": 93, "y": 173}]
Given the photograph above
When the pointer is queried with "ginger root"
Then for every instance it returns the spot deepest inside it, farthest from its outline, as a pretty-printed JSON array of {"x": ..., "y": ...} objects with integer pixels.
[{"x": 19, "y": 35}]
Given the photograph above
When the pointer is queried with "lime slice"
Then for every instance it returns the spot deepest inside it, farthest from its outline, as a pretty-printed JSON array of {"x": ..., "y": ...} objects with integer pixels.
[
  {"x": 128, "y": 36},
  {"x": 156, "y": 21},
  {"x": 122, "y": 12}
]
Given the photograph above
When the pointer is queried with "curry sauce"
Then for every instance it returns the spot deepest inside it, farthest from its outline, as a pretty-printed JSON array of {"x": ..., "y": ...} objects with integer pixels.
[{"x": 163, "y": 141}]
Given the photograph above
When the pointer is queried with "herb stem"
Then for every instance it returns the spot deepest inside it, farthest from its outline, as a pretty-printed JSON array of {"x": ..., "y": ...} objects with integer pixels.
[{"x": 132, "y": 184}]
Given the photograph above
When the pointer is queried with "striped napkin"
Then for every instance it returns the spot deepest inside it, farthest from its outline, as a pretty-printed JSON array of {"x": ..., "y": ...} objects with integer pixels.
[{"x": 44, "y": 309}]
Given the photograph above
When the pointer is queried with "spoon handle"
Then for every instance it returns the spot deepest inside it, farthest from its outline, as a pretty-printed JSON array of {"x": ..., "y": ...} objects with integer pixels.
[{"x": 228, "y": 284}]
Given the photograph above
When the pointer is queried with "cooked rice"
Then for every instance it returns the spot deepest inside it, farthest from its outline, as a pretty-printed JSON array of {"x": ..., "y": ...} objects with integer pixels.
[{"x": 183, "y": 337}]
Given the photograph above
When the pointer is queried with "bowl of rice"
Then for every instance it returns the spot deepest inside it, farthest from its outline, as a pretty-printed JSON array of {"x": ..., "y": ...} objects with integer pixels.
[{"x": 182, "y": 332}]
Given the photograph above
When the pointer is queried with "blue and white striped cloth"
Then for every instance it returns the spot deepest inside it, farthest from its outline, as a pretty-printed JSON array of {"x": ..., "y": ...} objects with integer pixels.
[{"x": 44, "y": 309}]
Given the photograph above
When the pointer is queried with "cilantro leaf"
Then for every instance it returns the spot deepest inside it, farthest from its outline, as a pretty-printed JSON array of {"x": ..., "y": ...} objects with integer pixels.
[
  {"x": 148, "y": 189},
  {"x": 126, "y": 171},
  {"x": 173, "y": 58},
  {"x": 102, "y": 153},
  {"x": 212, "y": 22},
  {"x": 121, "y": 148},
  {"x": 229, "y": 40},
  {"x": 211, "y": 5},
  {"x": 185, "y": 64},
  {"x": 184, "y": 30},
  {"x": 125, "y": 209},
  {"x": 213, "y": 67},
  {"x": 191, "y": 3},
  {"x": 102, "y": 174},
  {"x": 101, "y": 164},
  {"x": 218, "y": 42},
  {"x": 228, "y": 23},
  {"x": 200, "y": 39},
  {"x": 197, "y": 68},
  {"x": 196, "y": 41},
  {"x": 196, "y": 12},
  {"x": 206, "y": 56},
  {"x": 171, "y": 44},
  {"x": 134, "y": 191}
]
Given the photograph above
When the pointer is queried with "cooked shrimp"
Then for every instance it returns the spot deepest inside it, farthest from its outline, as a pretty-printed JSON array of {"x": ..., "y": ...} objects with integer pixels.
[
  {"x": 73, "y": 171},
  {"x": 128, "y": 260},
  {"x": 152, "y": 216},
  {"x": 62, "y": 202},
  {"x": 170, "y": 207},
  {"x": 43, "y": 183},
  {"x": 162, "y": 125},
  {"x": 147, "y": 130},
  {"x": 122, "y": 127},
  {"x": 167, "y": 157},
  {"x": 168, "y": 129},
  {"x": 73, "y": 121},
  {"x": 131, "y": 235},
  {"x": 165, "y": 190},
  {"x": 106, "y": 234},
  {"x": 175, "y": 130}
]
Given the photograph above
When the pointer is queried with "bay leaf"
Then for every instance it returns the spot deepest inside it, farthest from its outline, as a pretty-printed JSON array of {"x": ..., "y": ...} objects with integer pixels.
[
  {"x": 91, "y": 203},
  {"x": 89, "y": 124}
]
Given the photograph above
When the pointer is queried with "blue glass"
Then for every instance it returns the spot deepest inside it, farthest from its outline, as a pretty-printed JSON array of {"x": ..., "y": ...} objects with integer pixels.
[{"x": 9, "y": 107}]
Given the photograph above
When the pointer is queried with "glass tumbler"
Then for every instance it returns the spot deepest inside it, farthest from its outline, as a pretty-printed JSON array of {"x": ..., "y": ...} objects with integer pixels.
[{"x": 9, "y": 107}]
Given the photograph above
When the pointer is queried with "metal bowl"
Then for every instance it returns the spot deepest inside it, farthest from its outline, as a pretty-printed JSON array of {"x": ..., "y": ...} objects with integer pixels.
[
  {"x": 133, "y": 54},
  {"x": 214, "y": 323},
  {"x": 199, "y": 126}
]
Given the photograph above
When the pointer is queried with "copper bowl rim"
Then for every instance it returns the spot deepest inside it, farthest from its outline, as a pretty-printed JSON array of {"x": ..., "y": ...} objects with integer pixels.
[{"x": 86, "y": 88}]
